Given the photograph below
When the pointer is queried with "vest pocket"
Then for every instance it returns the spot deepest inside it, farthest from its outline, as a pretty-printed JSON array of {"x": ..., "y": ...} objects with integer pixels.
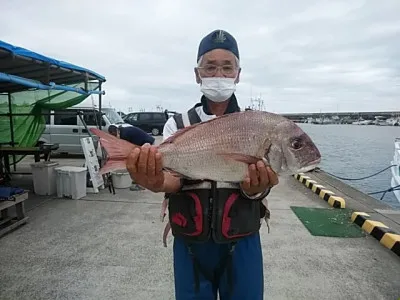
[
  {"x": 188, "y": 211},
  {"x": 235, "y": 216}
]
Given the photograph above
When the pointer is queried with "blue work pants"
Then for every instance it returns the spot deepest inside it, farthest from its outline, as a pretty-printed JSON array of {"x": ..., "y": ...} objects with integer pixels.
[{"x": 247, "y": 269}]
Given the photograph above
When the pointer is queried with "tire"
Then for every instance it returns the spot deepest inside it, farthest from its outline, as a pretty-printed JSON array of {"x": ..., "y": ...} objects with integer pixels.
[{"x": 155, "y": 131}]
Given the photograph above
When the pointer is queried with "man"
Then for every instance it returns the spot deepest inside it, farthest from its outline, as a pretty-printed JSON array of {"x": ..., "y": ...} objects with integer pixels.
[
  {"x": 135, "y": 136},
  {"x": 229, "y": 263},
  {"x": 131, "y": 134}
]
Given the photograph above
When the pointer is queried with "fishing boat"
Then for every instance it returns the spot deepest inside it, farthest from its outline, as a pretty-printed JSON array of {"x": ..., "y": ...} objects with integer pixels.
[
  {"x": 361, "y": 121},
  {"x": 393, "y": 121},
  {"x": 381, "y": 121},
  {"x": 396, "y": 169}
]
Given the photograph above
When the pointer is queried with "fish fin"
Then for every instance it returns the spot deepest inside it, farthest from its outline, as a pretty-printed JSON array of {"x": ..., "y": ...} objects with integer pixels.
[
  {"x": 177, "y": 174},
  {"x": 164, "y": 207},
  {"x": 251, "y": 159},
  {"x": 247, "y": 159},
  {"x": 267, "y": 213},
  {"x": 178, "y": 133},
  {"x": 264, "y": 151},
  {"x": 181, "y": 131},
  {"x": 268, "y": 226},
  {"x": 117, "y": 149},
  {"x": 112, "y": 165},
  {"x": 167, "y": 228},
  {"x": 266, "y": 161},
  {"x": 173, "y": 173}
]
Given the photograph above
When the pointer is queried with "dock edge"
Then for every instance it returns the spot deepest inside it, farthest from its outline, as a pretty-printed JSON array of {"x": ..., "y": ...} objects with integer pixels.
[
  {"x": 321, "y": 191},
  {"x": 386, "y": 236}
]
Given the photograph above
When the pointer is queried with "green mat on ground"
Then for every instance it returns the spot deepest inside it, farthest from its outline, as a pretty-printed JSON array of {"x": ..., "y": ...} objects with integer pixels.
[{"x": 332, "y": 222}]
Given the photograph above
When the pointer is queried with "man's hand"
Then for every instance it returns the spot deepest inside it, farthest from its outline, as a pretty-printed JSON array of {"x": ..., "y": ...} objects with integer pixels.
[
  {"x": 259, "y": 179},
  {"x": 144, "y": 165}
]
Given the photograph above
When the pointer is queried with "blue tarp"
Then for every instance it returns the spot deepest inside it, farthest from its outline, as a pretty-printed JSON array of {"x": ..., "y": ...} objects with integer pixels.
[
  {"x": 29, "y": 54},
  {"x": 51, "y": 86}
]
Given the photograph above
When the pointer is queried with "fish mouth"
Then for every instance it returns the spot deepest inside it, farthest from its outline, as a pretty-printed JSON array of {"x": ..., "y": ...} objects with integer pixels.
[{"x": 311, "y": 166}]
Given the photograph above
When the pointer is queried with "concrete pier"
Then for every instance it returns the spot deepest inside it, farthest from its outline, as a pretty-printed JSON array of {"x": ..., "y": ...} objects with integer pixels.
[{"x": 110, "y": 247}]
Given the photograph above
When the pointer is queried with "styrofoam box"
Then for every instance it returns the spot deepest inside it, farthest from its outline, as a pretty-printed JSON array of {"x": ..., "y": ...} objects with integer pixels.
[
  {"x": 71, "y": 182},
  {"x": 44, "y": 177}
]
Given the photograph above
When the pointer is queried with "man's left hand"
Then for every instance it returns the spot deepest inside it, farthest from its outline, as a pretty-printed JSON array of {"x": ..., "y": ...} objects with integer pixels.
[{"x": 259, "y": 179}]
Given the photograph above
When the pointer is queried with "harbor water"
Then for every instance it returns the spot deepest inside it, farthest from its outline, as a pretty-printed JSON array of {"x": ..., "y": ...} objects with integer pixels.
[{"x": 354, "y": 151}]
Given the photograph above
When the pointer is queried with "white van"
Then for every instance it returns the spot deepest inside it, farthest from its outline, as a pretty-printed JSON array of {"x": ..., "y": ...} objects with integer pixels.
[{"x": 64, "y": 126}]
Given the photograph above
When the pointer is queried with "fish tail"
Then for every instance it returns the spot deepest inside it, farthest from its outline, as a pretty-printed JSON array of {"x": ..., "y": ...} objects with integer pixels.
[
  {"x": 117, "y": 150},
  {"x": 112, "y": 165}
]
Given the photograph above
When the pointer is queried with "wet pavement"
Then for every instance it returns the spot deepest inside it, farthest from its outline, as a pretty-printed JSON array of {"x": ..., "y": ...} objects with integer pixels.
[{"x": 110, "y": 247}]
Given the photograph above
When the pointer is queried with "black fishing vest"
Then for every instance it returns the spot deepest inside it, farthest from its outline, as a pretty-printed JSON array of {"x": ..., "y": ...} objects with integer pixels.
[{"x": 206, "y": 209}]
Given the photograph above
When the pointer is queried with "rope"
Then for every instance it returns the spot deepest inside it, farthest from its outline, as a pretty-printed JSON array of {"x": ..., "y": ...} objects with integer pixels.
[
  {"x": 396, "y": 188},
  {"x": 369, "y": 176}
]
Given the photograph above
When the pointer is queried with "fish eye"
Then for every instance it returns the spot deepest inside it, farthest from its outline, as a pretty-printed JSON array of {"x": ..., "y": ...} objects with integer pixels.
[{"x": 296, "y": 144}]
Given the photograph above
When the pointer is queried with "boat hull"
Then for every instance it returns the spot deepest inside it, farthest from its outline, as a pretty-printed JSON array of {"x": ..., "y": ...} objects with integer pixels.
[{"x": 395, "y": 183}]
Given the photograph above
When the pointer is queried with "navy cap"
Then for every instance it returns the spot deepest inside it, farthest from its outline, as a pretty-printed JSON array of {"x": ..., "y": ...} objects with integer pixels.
[{"x": 218, "y": 39}]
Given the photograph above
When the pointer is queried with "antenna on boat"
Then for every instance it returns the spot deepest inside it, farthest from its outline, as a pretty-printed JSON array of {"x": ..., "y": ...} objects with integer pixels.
[{"x": 257, "y": 103}]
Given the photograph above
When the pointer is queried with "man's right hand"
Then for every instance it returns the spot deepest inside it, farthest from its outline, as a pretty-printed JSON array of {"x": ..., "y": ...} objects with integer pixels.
[{"x": 144, "y": 164}]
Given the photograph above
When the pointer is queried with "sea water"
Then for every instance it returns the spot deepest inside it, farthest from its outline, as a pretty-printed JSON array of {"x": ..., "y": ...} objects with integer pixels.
[{"x": 355, "y": 151}]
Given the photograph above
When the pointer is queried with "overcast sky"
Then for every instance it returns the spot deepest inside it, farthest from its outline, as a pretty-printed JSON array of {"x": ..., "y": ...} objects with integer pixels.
[{"x": 299, "y": 55}]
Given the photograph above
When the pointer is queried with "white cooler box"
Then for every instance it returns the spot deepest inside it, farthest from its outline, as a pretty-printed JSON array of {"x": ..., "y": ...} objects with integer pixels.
[
  {"x": 44, "y": 178},
  {"x": 71, "y": 182}
]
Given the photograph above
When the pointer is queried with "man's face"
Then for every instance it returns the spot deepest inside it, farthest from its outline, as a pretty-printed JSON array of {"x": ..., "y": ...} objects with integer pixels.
[{"x": 218, "y": 63}]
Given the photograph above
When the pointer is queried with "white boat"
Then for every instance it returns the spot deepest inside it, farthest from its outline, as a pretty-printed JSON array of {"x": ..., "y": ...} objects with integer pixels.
[
  {"x": 361, "y": 121},
  {"x": 393, "y": 121},
  {"x": 395, "y": 183},
  {"x": 381, "y": 121}
]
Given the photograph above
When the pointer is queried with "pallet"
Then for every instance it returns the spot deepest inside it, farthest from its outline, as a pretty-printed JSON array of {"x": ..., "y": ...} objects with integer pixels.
[{"x": 7, "y": 223}]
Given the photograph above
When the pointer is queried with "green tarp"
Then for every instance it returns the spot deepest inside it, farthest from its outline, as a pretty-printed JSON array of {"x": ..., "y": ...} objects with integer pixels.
[
  {"x": 29, "y": 128},
  {"x": 332, "y": 222}
]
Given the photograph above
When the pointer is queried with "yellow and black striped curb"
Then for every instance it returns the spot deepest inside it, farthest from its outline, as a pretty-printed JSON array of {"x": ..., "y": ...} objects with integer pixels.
[
  {"x": 378, "y": 230},
  {"x": 321, "y": 191}
]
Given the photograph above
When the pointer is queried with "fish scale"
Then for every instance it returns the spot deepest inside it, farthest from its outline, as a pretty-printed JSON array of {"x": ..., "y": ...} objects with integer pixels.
[{"x": 196, "y": 153}]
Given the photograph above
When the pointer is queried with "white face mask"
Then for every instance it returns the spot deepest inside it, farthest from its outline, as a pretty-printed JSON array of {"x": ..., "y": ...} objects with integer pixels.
[{"x": 218, "y": 89}]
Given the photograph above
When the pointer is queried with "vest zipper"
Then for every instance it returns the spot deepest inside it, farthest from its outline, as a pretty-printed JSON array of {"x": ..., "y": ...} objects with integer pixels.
[
  {"x": 210, "y": 215},
  {"x": 211, "y": 205}
]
